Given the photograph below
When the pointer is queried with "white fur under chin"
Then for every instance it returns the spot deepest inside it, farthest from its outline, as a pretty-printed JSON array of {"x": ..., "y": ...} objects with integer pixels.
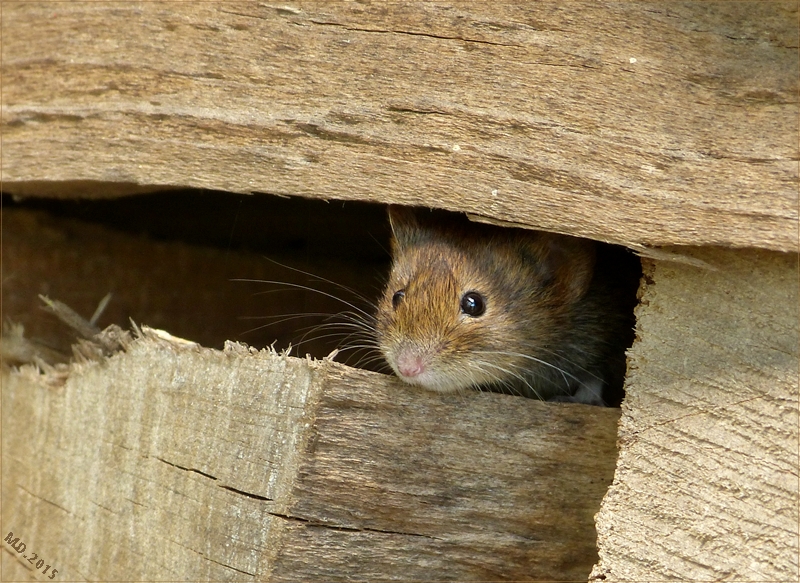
[
  {"x": 438, "y": 381},
  {"x": 590, "y": 391}
]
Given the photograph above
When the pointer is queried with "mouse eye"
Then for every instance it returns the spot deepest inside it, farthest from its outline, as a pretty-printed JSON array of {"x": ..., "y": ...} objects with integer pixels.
[
  {"x": 398, "y": 297},
  {"x": 473, "y": 304}
]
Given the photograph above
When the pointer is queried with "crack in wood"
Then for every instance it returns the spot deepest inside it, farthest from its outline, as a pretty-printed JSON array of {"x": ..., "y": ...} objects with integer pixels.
[
  {"x": 206, "y": 557},
  {"x": 326, "y": 134},
  {"x": 196, "y": 471},
  {"x": 223, "y": 486},
  {"x": 411, "y": 33},
  {"x": 400, "y": 109},
  {"x": 242, "y": 14},
  {"x": 229, "y": 566},
  {"x": 248, "y": 494},
  {"x": 44, "y": 499},
  {"x": 310, "y": 522}
]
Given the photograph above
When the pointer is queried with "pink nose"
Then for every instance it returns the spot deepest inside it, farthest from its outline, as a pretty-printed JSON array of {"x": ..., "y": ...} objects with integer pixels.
[{"x": 410, "y": 365}]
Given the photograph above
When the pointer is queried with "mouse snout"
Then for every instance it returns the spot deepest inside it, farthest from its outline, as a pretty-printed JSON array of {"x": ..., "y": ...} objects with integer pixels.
[
  {"x": 409, "y": 364},
  {"x": 422, "y": 365}
]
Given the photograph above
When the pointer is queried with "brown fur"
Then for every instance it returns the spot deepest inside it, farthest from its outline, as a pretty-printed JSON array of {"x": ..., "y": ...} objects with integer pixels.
[{"x": 544, "y": 300}]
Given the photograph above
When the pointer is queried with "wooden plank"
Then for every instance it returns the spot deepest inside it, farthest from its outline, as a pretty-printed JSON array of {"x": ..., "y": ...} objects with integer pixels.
[
  {"x": 507, "y": 491},
  {"x": 172, "y": 462},
  {"x": 632, "y": 122},
  {"x": 706, "y": 486}
]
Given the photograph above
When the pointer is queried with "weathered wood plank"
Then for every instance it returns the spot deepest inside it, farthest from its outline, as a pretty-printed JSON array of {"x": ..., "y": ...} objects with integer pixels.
[
  {"x": 633, "y": 122},
  {"x": 706, "y": 486},
  {"x": 130, "y": 470},
  {"x": 502, "y": 475},
  {"x": 173, "y": 462}
]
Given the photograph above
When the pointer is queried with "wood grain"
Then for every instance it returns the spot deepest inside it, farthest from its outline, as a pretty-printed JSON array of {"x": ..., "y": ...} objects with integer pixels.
[
  {"x": 174, "y": 462},
  {"x": 638, "y": 123},
  {"x": 706, "y": 486},
  {"x": 632, "y": 122}
]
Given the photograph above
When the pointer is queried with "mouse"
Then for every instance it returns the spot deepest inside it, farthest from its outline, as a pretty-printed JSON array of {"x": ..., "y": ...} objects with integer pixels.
[{"x": 477, "y": 306}]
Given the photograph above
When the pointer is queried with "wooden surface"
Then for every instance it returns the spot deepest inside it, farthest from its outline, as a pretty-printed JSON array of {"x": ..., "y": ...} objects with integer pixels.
[
  {"x": 706, "y": 487},
  {"x": 639, "y": 123},
  {"x": 172, "y": 462}
]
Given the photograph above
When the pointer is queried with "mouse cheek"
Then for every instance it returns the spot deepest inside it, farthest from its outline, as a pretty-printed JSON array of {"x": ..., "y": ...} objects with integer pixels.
[{"x": 488, "y": 340}]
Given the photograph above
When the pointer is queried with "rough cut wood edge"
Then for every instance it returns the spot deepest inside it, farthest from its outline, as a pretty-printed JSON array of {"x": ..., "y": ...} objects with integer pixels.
[
  {"x": 632, "y": 122},
  {"x": 706, "y": 487},
  {"x": 173, "y": 462}
]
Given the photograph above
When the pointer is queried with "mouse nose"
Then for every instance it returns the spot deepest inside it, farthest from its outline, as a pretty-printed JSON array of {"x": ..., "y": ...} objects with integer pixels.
[{"x": 410, "y": 364}]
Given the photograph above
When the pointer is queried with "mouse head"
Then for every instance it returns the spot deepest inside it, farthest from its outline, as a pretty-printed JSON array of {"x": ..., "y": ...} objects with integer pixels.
[{"x": 466, "y": 303}]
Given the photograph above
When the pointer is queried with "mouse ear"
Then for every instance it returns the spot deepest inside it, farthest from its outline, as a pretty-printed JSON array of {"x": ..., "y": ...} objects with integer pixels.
[
  {"x": 570, "y": 264},
  {"x": 405, "y": 225}
]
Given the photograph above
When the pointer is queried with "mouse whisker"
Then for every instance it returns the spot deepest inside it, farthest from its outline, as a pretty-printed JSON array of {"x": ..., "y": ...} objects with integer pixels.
[
  {"x": 283, "y": 320},
  {"x": 330, "y": 330},
  {"x": 367, "y": 357},
  {"x": 477, "y": 371},
  {"x": 355, "y": 336},
  {"x": 305, "y": 288},
  {"x": 353, "y": 327},
  {"x": 533, "y": 358},
  {"x": 353, "y": 330},
  {"x": 320, "y": 278},
  {"x": 561, "y": 356},
  {"x": 287, "y": 317},
  {"x": 567, "y": 388},
  {"x": 505, "y": 382},
  {"x": 355, "y": 321}
]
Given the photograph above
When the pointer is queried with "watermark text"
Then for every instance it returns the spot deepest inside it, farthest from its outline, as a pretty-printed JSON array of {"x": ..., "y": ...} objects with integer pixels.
[{"x": 33, "y": 558}]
